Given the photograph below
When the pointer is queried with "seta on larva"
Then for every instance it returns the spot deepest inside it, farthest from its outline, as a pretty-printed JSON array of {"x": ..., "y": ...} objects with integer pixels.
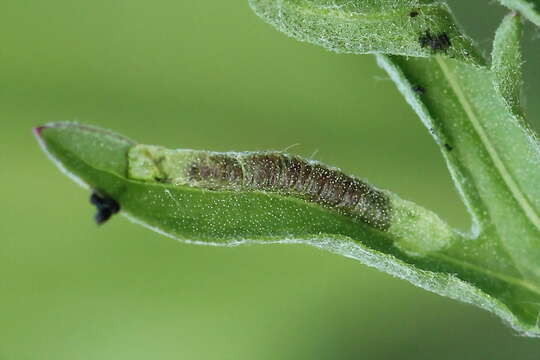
[{"x": 263, "y": 171}]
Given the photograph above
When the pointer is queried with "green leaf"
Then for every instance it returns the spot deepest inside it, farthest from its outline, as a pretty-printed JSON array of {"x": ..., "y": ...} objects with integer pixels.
[
  {"x": 528, "y": 8},
  {"x": 507, "y": 62},
  {"x": 473, "y": 114},
  {"x": 158, "y": 187},
  {"x": 399, "y": 27},
  {"x": 484, "y": 146},
  {"x": 471, "y": 110},
  {"x": 194, "y": 196}
]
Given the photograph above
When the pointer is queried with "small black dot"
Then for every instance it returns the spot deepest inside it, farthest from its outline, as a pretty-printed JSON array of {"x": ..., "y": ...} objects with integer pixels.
[
  {"x": 413, "y": 13},
  {"x": 439, "y": 42},
  {"x": 448, "y": 147},
  {"x": 419, "y": 90}
]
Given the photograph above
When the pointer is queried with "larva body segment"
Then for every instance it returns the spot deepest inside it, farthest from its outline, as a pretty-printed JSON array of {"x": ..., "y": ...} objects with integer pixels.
[{"x": 264, "y": 171}]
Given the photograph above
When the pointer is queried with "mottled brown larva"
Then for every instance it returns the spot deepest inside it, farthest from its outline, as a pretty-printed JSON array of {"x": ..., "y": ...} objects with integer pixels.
[{"x": 264, "y": 171}]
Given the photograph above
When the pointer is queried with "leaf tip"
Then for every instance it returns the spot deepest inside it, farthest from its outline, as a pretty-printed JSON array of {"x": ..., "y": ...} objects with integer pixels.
[{"x": 36, "y": 130}]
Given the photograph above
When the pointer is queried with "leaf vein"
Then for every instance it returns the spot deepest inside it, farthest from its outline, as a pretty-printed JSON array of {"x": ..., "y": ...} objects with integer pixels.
[{"x": 507, "y": 177}]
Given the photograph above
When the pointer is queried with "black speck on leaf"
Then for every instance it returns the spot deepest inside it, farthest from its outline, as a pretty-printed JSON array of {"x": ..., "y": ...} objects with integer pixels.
[
  {"x": 448, "y": 147},
  {"x": 439, "y": 42},
  {"x": 413, "y": 13},
  {"x": 419, "y": 90}
]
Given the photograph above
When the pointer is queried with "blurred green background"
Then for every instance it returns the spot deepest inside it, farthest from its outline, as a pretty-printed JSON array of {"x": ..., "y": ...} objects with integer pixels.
[{"x": 211, "y": 75}]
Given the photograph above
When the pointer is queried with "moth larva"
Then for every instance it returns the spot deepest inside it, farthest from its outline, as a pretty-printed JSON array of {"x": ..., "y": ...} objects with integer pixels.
[{"x": 263, "y": 171}]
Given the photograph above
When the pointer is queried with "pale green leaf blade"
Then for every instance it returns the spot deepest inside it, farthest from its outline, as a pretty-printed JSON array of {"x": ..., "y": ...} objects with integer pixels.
[
  {"x": 507, "y": 62},
  {"x": 529, "y": 8},
  {"x": 483, "y": 144},
  {"x": 460, "y": 107},
  {"x": 399, "y": 27},
  {"x": 150, "y": 185},
  {"x": 494, "y": 159}
]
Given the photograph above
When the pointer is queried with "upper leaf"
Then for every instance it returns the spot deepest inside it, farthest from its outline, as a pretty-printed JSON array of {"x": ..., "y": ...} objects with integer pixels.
[{"x": 399, "y": 27}]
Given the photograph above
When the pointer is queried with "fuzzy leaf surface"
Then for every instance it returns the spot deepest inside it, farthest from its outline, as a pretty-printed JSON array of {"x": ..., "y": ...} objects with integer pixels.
[
  {"x": 471, "y": 110},
  {"x": 508, "y": 61},
  {"x": 473, "y": 113},
  {"x": 399, "y": 27},
  {"x": 418, "y": 246}
]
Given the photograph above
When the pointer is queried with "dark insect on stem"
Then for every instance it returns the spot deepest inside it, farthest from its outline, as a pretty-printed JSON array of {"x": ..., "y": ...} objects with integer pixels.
[
  {"x": 105, "y": 205},
  {"x": 448, "y": 147},
  {"x": 419, "y": 90},
  {"x": 439, "y": 42},
  {"x": 413, "y": 13}
]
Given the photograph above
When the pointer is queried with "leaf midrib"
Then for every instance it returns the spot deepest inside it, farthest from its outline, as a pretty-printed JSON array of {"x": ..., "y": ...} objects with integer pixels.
[{"x": 498, "y": 163}]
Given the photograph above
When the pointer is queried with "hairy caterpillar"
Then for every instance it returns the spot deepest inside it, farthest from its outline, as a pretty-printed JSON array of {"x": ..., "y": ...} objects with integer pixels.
[{"x": 263, "y": 171}]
